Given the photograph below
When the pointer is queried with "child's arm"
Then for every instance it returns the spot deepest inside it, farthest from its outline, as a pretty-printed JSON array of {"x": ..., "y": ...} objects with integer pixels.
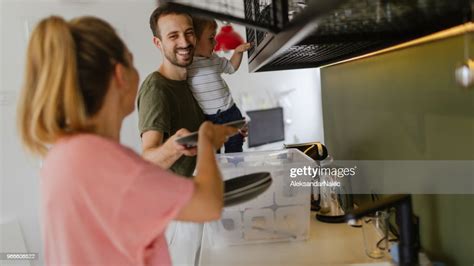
[{"x": 236, "y": 58}]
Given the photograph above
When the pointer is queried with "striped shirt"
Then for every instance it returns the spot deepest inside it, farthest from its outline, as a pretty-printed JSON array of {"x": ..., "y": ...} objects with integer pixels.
[{"x": 208, "y": 87}]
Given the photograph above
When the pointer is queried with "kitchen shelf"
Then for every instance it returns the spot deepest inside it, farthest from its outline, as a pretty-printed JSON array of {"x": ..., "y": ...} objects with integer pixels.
[
  {"x": 264, "y": 15},
  {"x": 301, "y": 34}
]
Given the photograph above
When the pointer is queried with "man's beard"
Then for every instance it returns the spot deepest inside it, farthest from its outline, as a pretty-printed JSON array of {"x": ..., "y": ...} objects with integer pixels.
[{"x": 173, "y": 58}]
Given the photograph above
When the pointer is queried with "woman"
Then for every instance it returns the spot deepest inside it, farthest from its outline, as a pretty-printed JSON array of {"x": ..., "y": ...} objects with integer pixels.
[{"x": 101, "y": 203}]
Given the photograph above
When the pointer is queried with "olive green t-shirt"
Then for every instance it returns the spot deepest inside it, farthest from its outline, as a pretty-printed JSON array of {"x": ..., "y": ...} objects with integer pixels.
[{"x": 168, "y": 105}]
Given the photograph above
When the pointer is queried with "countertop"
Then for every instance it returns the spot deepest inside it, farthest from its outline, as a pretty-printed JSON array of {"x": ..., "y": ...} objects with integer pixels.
[{"x": 329, "y": 244}]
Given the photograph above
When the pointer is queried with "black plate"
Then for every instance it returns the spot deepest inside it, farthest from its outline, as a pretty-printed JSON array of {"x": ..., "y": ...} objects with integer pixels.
[
  {"x": 192, "y": 139},
  {"x": 244, "y": 188}
]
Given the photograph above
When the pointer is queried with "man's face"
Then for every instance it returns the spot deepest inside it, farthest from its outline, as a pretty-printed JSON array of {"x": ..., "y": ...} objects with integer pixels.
[{"x": 177, "y": 39}]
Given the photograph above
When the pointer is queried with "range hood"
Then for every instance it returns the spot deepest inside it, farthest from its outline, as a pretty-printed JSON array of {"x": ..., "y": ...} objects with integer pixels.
[{"x": 290, "y": 34}]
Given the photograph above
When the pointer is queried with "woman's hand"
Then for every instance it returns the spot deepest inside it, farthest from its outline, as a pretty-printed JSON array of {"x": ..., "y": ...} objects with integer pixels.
[
  {"x": 244, "y": 131},
  {"x": 216, "y": 134}
]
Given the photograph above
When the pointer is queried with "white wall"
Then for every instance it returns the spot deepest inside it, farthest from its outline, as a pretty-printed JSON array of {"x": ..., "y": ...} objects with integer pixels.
[
  {"x": 19, "y": 180},
  {"x": 297, "y": 91}
]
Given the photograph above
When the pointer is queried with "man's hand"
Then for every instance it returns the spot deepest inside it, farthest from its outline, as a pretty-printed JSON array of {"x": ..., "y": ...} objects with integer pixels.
[
  {"x": 243, "y": 47},
  {"x": 181, "y": 148},
  {"x": 167, "y": 153}
]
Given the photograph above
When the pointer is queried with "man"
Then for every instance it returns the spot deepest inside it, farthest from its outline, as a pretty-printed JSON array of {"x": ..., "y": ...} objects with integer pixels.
[
  {"x": 167, "y": 109},
  {"x": 165, "y": 102}
]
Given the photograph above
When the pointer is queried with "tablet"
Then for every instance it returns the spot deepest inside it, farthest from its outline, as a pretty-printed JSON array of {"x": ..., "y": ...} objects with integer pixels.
[
  {"x": 237, "y": 123},
  {"x": 188, "y": 140},
  {"x": 192, "y": 139}
]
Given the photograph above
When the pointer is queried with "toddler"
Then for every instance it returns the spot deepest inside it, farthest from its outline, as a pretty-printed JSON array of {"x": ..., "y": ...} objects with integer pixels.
[{"x": 206, "y": 83}]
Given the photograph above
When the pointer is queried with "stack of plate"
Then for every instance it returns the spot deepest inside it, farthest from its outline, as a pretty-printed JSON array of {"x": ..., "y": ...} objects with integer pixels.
[{"x": 244, "y": 188}]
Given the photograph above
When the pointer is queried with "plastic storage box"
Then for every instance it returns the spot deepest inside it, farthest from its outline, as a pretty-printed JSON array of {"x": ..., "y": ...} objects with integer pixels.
[{"x": 281, "y": 213}]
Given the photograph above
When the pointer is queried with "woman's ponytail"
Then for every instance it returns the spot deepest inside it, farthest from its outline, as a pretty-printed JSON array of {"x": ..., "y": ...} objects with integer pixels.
[{"x": 68, "y": 67}]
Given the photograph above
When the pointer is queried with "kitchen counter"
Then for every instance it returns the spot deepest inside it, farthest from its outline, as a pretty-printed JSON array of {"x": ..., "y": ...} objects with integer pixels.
[{"x": 329, "y": 244}]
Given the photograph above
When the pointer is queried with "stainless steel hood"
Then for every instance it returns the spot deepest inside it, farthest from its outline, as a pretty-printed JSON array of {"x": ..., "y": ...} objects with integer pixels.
[{"x": 290, "y": 34}]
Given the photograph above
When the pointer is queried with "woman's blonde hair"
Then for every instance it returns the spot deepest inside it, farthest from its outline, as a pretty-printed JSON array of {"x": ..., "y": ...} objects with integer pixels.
[{"x": 68, "y": 69}]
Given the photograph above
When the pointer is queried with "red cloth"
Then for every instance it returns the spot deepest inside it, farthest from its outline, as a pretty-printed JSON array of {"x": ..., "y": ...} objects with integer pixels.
[{"x": 227, "y": 39}]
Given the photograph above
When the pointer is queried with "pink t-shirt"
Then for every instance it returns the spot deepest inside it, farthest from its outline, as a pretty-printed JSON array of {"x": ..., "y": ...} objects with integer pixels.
[{"x": 102, "y": 204}]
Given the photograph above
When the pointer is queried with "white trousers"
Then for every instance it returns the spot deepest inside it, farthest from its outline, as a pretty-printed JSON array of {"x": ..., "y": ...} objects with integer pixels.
[{"x": 184, "y": 242}]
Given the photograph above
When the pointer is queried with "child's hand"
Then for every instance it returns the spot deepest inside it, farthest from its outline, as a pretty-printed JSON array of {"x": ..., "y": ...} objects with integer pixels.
[{"x": 243, "y": 47}]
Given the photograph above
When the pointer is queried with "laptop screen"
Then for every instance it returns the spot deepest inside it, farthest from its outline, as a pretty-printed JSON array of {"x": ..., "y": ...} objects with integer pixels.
[{"x": 266, "y": 126}]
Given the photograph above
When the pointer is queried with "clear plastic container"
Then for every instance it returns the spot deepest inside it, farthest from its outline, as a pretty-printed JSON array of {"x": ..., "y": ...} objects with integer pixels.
[{"x": 281, "y": 213}]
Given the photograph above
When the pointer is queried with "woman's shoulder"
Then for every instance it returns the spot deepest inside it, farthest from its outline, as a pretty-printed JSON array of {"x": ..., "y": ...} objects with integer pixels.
[
  {"x": 92, "y": 149},
  {"x": 87, "y": 141}
]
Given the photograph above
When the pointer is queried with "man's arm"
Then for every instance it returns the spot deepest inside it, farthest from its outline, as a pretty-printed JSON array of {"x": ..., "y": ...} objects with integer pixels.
[
  {"x": 167, "y": 153},
  {"x": 236, "y": 58}
]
